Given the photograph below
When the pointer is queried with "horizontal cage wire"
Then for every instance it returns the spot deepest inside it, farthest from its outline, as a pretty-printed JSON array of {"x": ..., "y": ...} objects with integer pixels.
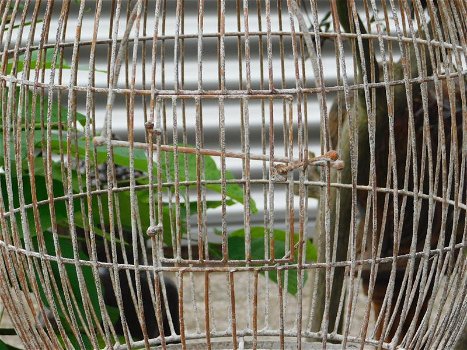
[{"x": 233, "y": 174}]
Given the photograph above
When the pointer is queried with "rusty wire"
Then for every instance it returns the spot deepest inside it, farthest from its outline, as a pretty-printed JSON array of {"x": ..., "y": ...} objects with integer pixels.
[{"x": 272, "y": 71}]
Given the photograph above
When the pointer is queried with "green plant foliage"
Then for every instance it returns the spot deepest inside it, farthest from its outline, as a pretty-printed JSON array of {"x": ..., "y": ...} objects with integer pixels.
[
  {"x": 34, "y": 117},
  {"x": 121, "y": 156},
  {"x": 124, "y": 204},
  {"x": 237, "y": 247},
  {"x": 41, "y": 195},
  {"x": 233, "y": 192},
  {"x": 21, "y": 147},
  {"x": 58, "y": 120},
  {"x": 46, "y": 60},
  {"x": 37, "y": 112},
  {"x": 66, "y": 251},
  {"x": 5, "y": 346}
]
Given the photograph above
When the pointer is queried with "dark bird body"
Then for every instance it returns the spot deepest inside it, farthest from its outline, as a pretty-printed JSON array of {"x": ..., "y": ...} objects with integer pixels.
[
  {"x": 150, "y": 296},
  {"x": 149, "y": 308},
  {"x": 445, "y": 129}
]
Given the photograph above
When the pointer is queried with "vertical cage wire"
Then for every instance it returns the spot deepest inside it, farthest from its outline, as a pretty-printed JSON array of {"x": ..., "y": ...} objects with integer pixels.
[{"x": 233, "y": 174}]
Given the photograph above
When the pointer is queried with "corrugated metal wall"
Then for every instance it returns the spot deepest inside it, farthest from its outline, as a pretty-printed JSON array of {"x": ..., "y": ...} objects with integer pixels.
[{"x": 189, "y": 67}]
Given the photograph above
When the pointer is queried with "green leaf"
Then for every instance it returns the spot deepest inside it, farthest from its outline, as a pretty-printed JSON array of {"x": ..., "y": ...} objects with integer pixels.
[
  {"x": 236, "y": 248},
  {"x": 58, "y": 112},
  {"x": 28, "y": 23},
  {"x": 5, "y": 346},
  {"x": 258, "y": 232},
  {"x": 7, "y": 331},
  {"x": 114, "y": 313},
  {"x": 57, "y": 173},
  {"x": 211, "y": 172},
  {"x": 121, "y": 156},
  {"x": 311, "y": 251},
  {"x": 142, "y": 198},
  {"x": 47, "y": 61},
  {"x": 23, "y": 152},
  {"x": 71, "y": 273},
  {"x": 41, "y": 195},
  {"x": 78, "y": 216},
  {"x": 209, "y": 205},
  {"x": 66, "y": 249},
  {"x": 89, "y": 282}
]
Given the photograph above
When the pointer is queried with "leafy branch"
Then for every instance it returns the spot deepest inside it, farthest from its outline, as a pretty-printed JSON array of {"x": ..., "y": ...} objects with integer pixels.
[{"x": 32, "y": 172}]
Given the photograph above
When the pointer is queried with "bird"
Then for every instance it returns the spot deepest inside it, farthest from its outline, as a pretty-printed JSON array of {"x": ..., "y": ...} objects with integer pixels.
[
  {"x": 126, "y": 283},
  {"x": 127, "y": 280},
  {"x": 442, "y": 120},
  {"x": 130, "y": 311}
]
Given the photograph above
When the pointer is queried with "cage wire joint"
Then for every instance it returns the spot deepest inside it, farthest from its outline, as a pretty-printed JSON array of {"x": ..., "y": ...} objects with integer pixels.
[{"x": 331, "y": 157}]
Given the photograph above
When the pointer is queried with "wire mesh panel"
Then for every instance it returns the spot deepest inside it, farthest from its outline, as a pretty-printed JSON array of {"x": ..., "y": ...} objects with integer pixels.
[{"x": 234, "y": 174}]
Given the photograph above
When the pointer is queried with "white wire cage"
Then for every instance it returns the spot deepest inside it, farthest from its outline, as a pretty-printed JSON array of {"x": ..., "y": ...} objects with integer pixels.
[{"x": 234, "y": 174}]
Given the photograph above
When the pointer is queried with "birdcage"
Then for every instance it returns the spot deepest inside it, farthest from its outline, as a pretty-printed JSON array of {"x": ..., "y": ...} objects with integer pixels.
[{"x": 233, "y": 174}]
